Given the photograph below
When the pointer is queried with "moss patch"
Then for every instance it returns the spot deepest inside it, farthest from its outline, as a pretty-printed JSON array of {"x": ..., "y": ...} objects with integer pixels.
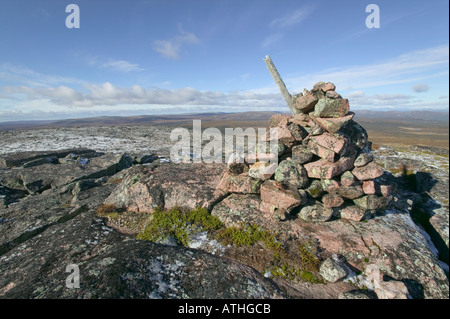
[
  {"x": 179, "y": 223},
  {"x": 251, "y": 244}
]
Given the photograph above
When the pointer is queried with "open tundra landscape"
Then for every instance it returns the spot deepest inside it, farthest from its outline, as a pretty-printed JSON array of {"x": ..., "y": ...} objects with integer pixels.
[{"x": 340, "y": 215}]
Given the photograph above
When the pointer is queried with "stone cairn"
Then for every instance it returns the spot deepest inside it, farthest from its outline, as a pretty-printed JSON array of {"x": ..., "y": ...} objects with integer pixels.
[{"x": 324, "y": 168}]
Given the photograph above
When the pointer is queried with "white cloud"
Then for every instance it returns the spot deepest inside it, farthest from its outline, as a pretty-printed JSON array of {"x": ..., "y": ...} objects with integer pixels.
[
  {"x": 171, "y": 48},
  {"x": 420, "y": 88},
  {"x": 406, "y": 68},
  {"x": 292, "y": 18},
  {"x": 108, "y": 94},
  {"x": 121, "y": 66},
  {"x": 19, "y": 74},
  {"x": 279, "y": 26}
]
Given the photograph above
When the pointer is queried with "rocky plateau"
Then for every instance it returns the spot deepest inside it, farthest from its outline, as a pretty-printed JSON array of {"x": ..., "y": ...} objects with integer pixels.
[{"x": 345, "y": 221}]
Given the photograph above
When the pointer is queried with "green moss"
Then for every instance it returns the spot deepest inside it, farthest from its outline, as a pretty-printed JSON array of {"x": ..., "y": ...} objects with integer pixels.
[
  {"x": 247, "y": 236},
  {"x": 179, "y": 223}
]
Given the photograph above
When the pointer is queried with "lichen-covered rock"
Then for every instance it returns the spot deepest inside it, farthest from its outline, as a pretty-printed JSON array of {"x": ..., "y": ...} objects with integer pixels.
[
  {"x": 301, "y": 154},
  {"x": 371, "y": 202},
  {"x": 331, "y": 108},
  {"x": 262, "y": 170},
  {"x": 315, "y": 213},
  {"x": 332, "y": 271},
  {"x": 143, "y": 188},
  {"x": 290, "y": 172},
  {"x": 114, "y": 266}
]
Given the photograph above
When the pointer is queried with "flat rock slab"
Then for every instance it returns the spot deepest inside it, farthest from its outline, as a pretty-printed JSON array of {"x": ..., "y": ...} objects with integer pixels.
[
  {"x": 36, "y": 179},
  {"x": 169, "y": 185},
  {"x": 113, "y": 266},
  {"x": 17, "y": 159}
]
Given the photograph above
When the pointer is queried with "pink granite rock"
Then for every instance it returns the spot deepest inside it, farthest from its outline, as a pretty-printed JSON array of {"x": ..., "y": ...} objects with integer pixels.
[
  {"x": 328, "y": 87},
  {"x": 321, "y": 151},
  {"x": 330, "y": 141},
  {"x": 332, "y": 200},
  {"x": 275, "y": 196},
  {"x": 333, "y": 124},
  {"x": 305, "y": 103},
  {"x": 327, "y": 170},
  {"x": 353, "y": 212},
  {"x": 348, "y": 179},
  {"x": 369, "y": 171},
  {"x": 369, "y": 187},
  {"x": 242, "y": 183}
]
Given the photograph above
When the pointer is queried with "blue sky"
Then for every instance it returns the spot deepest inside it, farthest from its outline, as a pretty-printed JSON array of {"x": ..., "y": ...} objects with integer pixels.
[{"x": 160, "y": 57}]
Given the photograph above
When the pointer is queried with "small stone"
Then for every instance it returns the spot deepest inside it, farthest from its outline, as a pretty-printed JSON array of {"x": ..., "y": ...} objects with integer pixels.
[
  {"x": 369, "y": 171},
  {"x": 333, "y": 124},
  {"x": 276, "y": 119},
  {"x": 321, "y": 151},
  {"x": 369, "y": 187},
  {"x": 348, "y": 179},
  {"x": 331, "y": 271},
  {"x": 386, "y": 190},
  {"x": 236, "y": 164},
  {"x": 315, "y": 189},
  {"x": 305, "y": 103},
  {"x": 330, "y": 141},
  {"x": 328, "y": 87},
  {"x": 301, "y": 154},
  {"x": 371, "y": 202},
  {"x": 333, "y": 95},
  {"x": 327, "y": 170},
  {"x": 262, "y": 170},
  {"x": 353, "y": 212},
  {"x": 238, "y": 184},
  {"x": 332, "y": 200},
  {"x": 363, "y": 159}
]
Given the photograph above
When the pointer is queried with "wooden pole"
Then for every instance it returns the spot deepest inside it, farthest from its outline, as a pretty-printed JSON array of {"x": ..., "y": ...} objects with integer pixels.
[{"x": 276, "y": 77}]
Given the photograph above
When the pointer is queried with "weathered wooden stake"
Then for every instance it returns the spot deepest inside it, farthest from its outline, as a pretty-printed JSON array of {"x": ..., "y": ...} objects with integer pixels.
[{"x": 276, "y": 77}]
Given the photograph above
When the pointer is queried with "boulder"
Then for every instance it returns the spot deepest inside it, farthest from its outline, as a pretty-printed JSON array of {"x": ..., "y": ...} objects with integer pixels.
[{"x": 189, "y": 185}]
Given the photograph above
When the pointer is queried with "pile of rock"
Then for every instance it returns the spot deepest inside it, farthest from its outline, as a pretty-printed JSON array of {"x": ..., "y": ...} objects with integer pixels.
[{"x": 324, "y": 166}]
